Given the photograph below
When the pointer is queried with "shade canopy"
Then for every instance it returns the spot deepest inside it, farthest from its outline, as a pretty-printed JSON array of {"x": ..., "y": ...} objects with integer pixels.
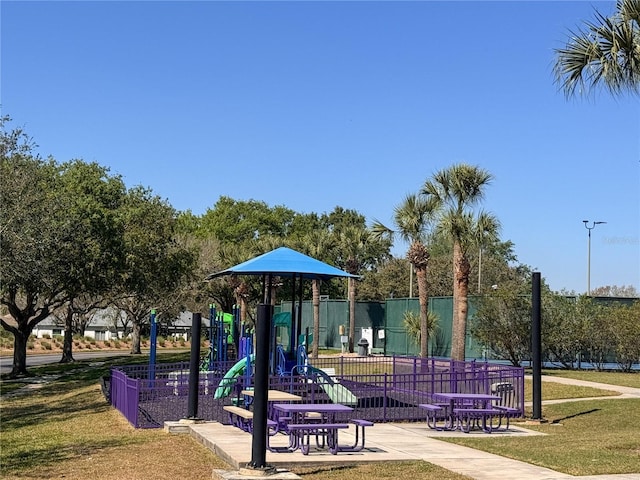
[{"x": 285, "y": 262}]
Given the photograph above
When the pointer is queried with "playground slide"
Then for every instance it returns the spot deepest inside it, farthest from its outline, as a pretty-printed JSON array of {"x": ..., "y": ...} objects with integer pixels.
[
  {"x": 225, "y": 387},
  {"x": 337, "y": 393}
]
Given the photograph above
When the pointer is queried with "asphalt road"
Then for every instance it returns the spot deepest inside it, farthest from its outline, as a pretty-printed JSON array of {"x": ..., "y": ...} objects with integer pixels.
[{"x": 6, "y": 361}]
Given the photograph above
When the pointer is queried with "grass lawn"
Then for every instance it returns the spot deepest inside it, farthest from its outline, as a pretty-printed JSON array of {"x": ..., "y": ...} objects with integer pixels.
[
  {"x": 593, "y": 437},
  {"x": 631, "y": 379},
  {"x": 65, "y": 429}
]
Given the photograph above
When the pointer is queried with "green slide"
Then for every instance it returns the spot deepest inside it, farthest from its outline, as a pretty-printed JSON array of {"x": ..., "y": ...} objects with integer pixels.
[
  {"x": 225, "y": 387},
  {"x": 337, "y": 393}
]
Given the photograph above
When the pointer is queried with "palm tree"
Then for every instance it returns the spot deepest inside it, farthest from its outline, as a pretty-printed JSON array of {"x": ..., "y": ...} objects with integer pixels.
[
  {"x": 318, "y": 244},
  {"x": 457, "y": 189},
  {"x": 413, "y": 219},
  {"x": 605, "y": 52},
  {"x": 353, "y": 244}
]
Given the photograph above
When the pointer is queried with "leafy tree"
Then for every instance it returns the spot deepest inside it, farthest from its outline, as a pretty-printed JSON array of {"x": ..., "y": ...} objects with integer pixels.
[
  {"x": 502, "y": 322},
  {"x": 456, "y": 190},
  {"x": 604, "y": 53},
  {"x": 624, "y": 322},
  {"x": 95, "y": 257},
  {"x": 233, "y": 221},
  {"x": 388, "y": 280},
  {"x": 35, "y": 237},
  {"x": 156, "y": 264},
  {"x": 413, "y": 220}
]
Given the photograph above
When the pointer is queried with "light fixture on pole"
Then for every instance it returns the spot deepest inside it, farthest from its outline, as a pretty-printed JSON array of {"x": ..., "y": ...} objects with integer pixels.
[{"x": 589, "y": 228}]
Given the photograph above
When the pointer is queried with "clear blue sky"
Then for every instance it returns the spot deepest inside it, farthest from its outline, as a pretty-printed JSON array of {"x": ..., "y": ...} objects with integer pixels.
[{"x": 318, "y": 104}]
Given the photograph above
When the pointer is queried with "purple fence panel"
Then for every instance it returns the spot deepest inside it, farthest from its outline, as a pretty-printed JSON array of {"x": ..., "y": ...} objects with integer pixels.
[{"x": 383, "y": 389}]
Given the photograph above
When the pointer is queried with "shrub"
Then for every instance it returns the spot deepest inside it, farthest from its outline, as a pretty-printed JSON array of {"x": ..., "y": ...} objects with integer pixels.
[
  {"x": 116, "y": 344},
  {"x": 58, "y": 338},
  {"x": 162, "y": 342},
  {"x": 30, "y": 344},
  {"x": 107, "y": 343},
  {"x": 92, "y": 341},
  {"x": 46, "y": 345},
  {"x": 182, "y": 342},
  {"x": 46, "y": 336}
]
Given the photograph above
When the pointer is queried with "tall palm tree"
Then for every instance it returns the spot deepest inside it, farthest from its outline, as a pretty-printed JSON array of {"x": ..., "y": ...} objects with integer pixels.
[
  {"x": 353, "y": 243},
  {"x": 605, "y": 52},
  {"x": 318, "y": 244},
  {"x": 458, "y": 189},
  {"x": 413, "y": 219}
]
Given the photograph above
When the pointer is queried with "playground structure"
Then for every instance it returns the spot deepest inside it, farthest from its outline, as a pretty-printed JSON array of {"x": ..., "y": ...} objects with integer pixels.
[{"x": 288, "y": 357}]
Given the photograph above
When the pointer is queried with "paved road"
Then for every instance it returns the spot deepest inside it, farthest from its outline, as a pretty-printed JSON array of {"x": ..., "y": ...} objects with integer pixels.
[{"x": 6, "y": 361}]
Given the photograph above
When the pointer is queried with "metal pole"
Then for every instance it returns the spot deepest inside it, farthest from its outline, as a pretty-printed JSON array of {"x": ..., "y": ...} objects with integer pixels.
[
  {"x": 589, "y": 228},
  {"x": 194, "y": 366},
  {"x": 261, "y": 386},
  {"x": 152, "y": 352},
  {"x": 589, "y": 265},
  {"x": 212, "y": 317},
  {"x": 536, "y": 346}
]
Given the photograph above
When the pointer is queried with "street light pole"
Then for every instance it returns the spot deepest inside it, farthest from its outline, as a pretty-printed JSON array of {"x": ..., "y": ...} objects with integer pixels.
[{"x": 589, "y": 228}]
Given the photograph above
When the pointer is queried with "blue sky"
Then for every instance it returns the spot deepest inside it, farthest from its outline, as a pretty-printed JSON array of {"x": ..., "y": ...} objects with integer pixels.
[{"x": 318, "y": 104}]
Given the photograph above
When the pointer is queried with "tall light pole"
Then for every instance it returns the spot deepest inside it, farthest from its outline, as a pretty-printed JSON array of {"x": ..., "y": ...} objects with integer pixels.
[{"x": 589, "y": 228}]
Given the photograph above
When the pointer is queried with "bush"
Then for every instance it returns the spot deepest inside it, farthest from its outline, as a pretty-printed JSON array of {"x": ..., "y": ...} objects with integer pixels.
[
  {"x": 116, "y": 344},
  {"x": 162, "y": 342},
  {"x": 31, "y": 344},
  {"x": 46, "y": 336},
  {"x": 58, "y": 338},
  {"x": 46, "y": 345},
  {"x": 107, "y": 343},
  {"x": 91, "y": 340}
]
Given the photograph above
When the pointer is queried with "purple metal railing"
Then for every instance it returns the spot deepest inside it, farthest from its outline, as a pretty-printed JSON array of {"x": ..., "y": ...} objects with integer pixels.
[{"x": 380, "y": 389}]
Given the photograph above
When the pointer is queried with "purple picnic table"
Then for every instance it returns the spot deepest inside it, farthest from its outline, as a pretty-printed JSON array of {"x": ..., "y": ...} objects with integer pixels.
[
  {"x": 467, "y": 409},
  {"x": 300, "y": 427}
]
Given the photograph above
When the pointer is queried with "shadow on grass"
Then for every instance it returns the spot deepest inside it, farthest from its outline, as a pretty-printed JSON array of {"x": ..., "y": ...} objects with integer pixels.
[
  {"x": 41, "y": 457},
  {"x": 559, "y": 420}
]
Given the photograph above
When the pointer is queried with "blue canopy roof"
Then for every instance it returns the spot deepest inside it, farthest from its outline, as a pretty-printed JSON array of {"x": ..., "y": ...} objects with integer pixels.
[{"x": 285, "y": 262}]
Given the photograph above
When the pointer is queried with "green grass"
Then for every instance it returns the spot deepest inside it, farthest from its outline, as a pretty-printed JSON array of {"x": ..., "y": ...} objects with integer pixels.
[
  {"x": 631, "y": 379},
  {"x": 557, "y": 391},
  {"x": 593, "y": 437}
]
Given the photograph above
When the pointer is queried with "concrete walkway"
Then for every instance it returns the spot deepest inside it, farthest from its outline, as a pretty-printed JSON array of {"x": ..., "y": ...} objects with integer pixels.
[{"x": 407, "y": 441}]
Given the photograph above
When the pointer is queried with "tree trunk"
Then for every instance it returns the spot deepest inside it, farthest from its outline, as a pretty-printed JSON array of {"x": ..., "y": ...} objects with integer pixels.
[
  {"x": 135, "y": 338},
  {"x": 351, "y": 286},
  {"x": 67, "y": 346},
  {"x": 19, "y": 353},
  {"x": 423, "y": 299},
  {"x": 461, "y": 269},
  {"x": 315, "y": 286}
]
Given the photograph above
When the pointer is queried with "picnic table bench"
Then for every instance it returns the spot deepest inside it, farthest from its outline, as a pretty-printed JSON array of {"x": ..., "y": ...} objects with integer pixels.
[
  {"x": 243, "y": 419},
  {"x": 434, "y": 413}
]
